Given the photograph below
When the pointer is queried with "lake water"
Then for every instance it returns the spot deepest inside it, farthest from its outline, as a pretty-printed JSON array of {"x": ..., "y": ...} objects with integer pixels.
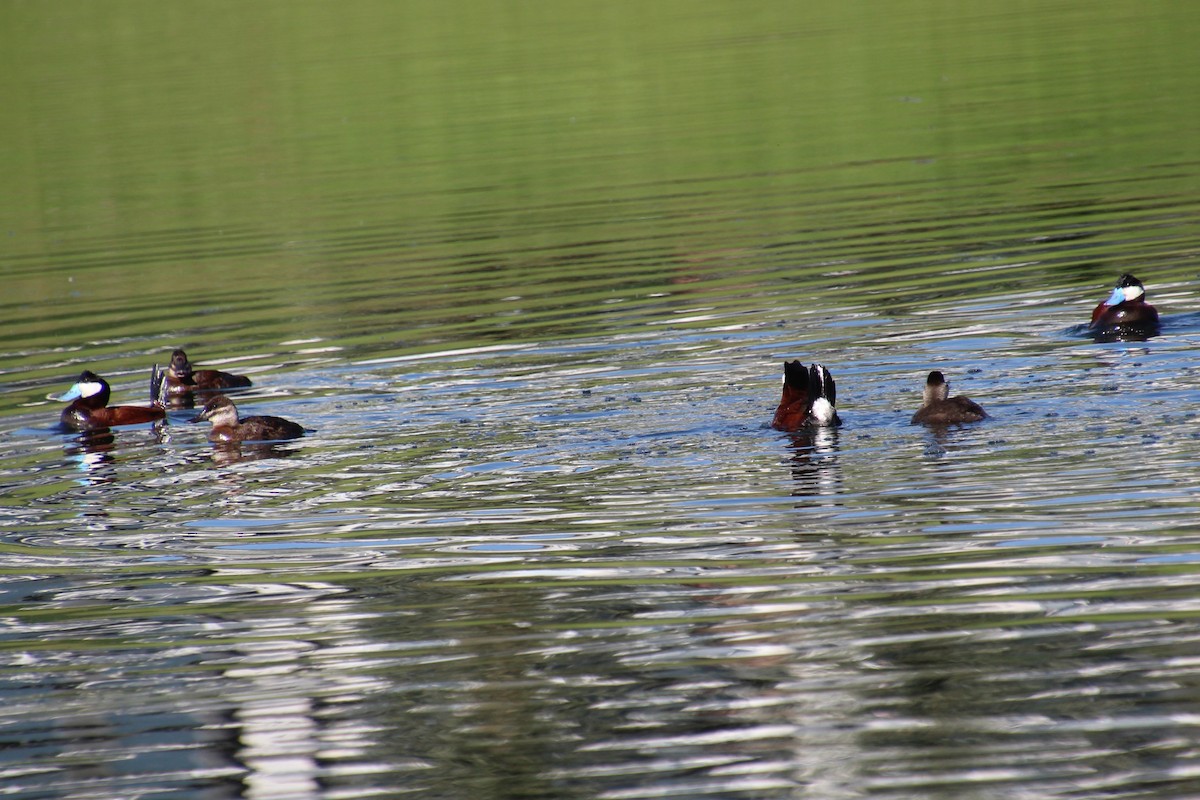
[{"x": 529, "y": 273}]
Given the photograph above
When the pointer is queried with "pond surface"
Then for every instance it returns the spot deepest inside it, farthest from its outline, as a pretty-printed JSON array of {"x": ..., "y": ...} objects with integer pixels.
[{"x": 530, "y": 275}]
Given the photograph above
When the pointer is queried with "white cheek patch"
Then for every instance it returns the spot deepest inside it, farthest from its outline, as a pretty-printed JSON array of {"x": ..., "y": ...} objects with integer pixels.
[
  {"x": 1133, "y": 292},
  {"x": 89, "y": 389}
]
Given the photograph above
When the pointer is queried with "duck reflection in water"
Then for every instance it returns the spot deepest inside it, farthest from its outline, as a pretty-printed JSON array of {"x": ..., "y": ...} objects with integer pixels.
[
  {"x": 1125, "y": 316},
  {"x": 225, "y": 453},
  {"x": 92, "y": 450},
  {"x": 816, "y": 473}
]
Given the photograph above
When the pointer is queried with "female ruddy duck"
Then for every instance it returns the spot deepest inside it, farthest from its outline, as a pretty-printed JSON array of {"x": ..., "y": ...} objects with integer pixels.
[
  {"x": 183, "y": 379},
  {"x": 226, "y": 427},
  {"x": 1125, "y": 312},
  {"x": 938, "y": 408},
  {"x": 89, "y": 409},
  {"x": 809, "y": 397}
]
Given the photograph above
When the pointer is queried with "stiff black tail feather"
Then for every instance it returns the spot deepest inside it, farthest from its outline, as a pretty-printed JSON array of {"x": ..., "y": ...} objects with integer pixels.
[
  {"x": 158, "y": 386},
  {"x": 820, "y": 384},
  {"x": 795, "y": 375}
]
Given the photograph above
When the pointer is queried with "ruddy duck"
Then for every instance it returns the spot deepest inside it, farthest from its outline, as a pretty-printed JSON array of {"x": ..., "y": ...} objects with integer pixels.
[
  {"x": 89, "y": 409},
  {"x": 1125, "y": 312},
  {"x": 183, "y": 379},
  {"x": 226, "y": 427},
  {"x": 809, "y": 397},
  {"x": 938, "y": 408}
]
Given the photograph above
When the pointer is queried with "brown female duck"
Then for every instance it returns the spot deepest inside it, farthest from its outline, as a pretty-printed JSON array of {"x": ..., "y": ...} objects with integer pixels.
[
  {"x": 228, "y": 427},
  {"x": 183, "y": 378},
  {"x": 938, "y": 408}
]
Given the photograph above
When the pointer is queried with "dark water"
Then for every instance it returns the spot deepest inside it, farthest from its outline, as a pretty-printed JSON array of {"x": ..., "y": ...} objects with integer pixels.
[{"x": 529, "y": 275}]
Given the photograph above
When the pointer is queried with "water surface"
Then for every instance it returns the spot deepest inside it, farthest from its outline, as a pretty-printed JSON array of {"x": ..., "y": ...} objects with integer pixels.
[{"x": 530, "y": 275}]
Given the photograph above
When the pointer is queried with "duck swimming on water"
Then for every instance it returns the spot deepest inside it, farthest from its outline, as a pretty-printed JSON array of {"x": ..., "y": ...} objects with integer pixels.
[
  {"x": 227, "y": 427},
  {"x": 89, "y": 409},
  {"x": 938, "y": 408},
  {"x": 1125, "y": 313},
  {"x": 183, "y": 378}
]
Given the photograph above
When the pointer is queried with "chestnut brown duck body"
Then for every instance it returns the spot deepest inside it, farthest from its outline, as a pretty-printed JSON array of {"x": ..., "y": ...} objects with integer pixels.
[
  {"x": 809, "y": 398},
  {"x": 89, "y": 409}
]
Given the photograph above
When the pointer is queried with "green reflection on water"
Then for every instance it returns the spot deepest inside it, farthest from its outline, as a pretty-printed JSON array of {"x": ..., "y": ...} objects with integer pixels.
[{"x": 254, "y": 173}]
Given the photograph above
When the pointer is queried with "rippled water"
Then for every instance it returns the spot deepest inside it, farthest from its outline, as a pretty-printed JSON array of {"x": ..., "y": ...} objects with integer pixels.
[{"x": 530, "y": 275}]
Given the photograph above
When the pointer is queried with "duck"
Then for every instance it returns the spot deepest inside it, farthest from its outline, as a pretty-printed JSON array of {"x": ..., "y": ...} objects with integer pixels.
[
  {"x": 183, "y": 378},
  {"x": 228, "y": 427},
  {"x": 89, "y": 409},
  {"x": 938, "y": 408},
  {"x": 1125, "y": 312},
  {"x": 809, "y": 398}
]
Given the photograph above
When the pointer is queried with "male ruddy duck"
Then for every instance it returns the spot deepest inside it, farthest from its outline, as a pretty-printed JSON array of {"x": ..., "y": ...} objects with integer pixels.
[
  {"x": 183, "y": 379},
  {"x": 89, "y": 409},
  {"x": 1125, "y": 312},
  {"x": 938, "y": 408},
  {"x": 226, "y": 427},
  {"x": 809, "y": 397}
]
